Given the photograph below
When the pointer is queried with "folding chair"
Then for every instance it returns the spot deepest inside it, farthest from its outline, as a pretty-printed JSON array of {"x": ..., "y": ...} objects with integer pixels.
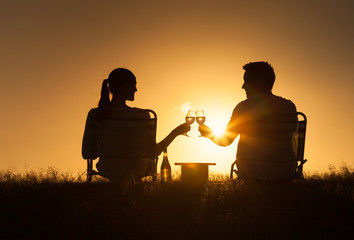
[
  {"x": 123, "y": 134},
  {"x": 299, "y": 146}
]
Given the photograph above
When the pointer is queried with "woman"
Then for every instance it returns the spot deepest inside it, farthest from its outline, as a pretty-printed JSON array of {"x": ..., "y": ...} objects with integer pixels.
[{"x": 121, "y": 83}]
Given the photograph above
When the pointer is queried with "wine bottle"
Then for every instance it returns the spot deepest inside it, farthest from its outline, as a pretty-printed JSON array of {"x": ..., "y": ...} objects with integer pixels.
[{"x": 165, "y": 168}]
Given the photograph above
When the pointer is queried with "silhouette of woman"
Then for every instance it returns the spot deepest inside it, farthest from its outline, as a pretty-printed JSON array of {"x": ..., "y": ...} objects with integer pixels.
[{"x": 121, "y": 83}]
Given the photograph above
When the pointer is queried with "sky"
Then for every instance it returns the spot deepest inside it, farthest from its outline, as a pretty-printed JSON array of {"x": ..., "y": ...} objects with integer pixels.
[{"x": 55, "y": 54}]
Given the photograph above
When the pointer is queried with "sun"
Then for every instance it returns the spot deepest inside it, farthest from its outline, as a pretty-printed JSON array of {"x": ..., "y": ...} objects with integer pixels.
[
  {"x": 217, "y": 123},
  {"x": 199, "y": 149},
  {"x": 218, "y": 129}
]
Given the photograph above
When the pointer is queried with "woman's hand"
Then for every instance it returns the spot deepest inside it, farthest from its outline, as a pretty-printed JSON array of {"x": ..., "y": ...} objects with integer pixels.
[{"x": 182, "y": 129}]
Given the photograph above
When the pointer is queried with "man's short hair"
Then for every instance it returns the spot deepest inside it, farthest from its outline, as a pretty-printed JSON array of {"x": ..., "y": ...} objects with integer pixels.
[{"x": 261, "y": 71}]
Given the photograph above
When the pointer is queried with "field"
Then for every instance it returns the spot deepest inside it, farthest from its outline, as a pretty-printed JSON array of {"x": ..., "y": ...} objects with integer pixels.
[{"x": 55, "y": 205}]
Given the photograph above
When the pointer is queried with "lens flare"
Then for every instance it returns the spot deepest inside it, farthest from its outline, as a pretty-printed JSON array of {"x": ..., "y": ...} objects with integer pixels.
[{"x": 218, "y": 130}]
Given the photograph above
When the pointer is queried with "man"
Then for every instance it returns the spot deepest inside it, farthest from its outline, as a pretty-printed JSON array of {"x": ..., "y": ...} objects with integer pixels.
[{"x": 265, "y": 123}]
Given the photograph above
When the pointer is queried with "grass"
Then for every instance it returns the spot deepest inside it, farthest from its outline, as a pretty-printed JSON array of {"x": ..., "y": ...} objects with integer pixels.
[{"x": 50, "y": 205}]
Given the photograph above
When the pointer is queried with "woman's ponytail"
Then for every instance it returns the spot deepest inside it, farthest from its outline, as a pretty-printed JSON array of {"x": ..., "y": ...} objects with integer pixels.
[{"x": 104, "y": 105}]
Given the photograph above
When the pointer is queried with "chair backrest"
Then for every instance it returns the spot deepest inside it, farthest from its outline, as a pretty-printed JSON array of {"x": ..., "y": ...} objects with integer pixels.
[
  {"x": 274, "y": 126},
  {"x": 279, "y": 123},
  {"x": 300, "y": 141},
  {"x": 121, "y": 134},
  {"x": 128, "y": 134}
]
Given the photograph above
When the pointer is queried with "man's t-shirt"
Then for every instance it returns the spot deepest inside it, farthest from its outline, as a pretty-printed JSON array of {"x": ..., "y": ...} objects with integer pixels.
[{"x": 266, "y": 124}]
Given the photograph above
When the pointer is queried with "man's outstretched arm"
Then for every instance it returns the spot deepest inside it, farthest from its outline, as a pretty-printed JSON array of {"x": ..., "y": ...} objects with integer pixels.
[{"x": 224, "y": 139}]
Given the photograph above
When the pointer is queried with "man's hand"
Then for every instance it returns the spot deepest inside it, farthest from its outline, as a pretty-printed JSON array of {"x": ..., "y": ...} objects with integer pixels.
[{"x": 205, "y": 131}]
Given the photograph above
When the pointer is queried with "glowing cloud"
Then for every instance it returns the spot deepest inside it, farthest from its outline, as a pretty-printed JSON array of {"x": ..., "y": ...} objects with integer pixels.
[{"x": 185, "y": 107}]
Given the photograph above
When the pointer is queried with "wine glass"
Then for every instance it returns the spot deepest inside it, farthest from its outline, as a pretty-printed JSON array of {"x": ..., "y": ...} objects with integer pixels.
[
  {"x": 190, "y": 118},
  {"x": 200, "y": 117}
]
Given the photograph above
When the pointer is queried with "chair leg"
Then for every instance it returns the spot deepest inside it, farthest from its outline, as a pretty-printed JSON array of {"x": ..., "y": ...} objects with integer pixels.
[
  {"x": 232, "y": 170},
  {"x": 300, "y": 168},
  {"x": 154, "y": 176},
  {"x": 89, "y": 178},
  {"x": 89, "y": 170}
]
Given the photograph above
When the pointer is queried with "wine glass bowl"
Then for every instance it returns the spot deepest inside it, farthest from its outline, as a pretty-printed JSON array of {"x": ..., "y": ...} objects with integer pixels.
[
  {"x": 200, "y": 117},
  {"x": 190, "y": 118}
]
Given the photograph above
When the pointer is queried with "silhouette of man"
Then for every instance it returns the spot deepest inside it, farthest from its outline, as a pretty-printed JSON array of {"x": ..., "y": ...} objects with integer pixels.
[{"x": 265, "y": 148}]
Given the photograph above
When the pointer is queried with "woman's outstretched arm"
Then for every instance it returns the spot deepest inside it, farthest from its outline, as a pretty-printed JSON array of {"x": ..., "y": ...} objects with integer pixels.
[{"x": 181, "y": 129}]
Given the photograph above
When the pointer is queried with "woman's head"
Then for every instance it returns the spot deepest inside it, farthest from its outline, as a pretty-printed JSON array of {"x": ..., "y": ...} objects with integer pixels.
[{"x": 121, "y": 83}]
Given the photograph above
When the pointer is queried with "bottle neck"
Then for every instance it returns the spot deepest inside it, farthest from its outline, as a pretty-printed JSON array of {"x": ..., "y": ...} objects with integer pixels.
[{"x": 165, "y": 161}]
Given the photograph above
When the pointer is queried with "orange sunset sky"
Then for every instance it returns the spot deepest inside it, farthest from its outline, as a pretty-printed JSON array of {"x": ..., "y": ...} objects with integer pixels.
[{"x": 55, "y": 54}]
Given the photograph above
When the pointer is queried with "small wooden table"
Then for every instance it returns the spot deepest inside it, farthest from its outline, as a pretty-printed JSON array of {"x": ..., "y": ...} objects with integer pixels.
[{"x": 194, "y": 172}]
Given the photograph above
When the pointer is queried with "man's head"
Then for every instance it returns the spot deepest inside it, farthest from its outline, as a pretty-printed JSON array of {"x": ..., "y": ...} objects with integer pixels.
[{"x": 259, "y": 78}]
